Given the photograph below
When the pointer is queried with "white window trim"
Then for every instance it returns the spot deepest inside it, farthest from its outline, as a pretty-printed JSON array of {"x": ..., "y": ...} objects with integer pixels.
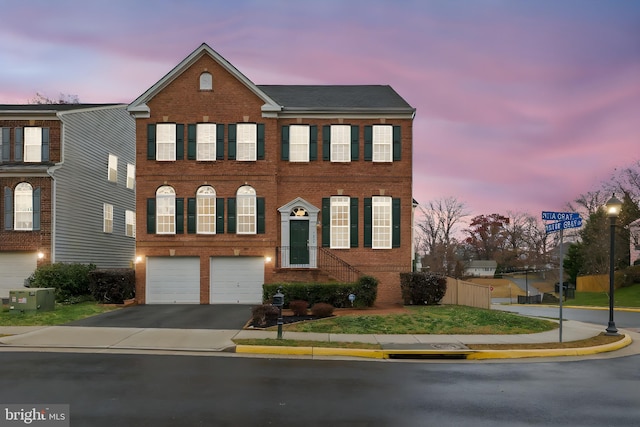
[
  {"x": 24, "y": 190},
  {"x": 166, "y": 142},
  {"x": 131, "y": 176},
  {"x": 299, "y": 141},
  {"x": 166, "y": 199},
  {"x": 341, "y": 143},
  {"x": 112, "y": 171},
  {"x": 206, "y": 193},
  {"x": 382, "y": 136},
  {"x": 381, "y": 222},
  {"x": 246, "y": 142},
  {"x": 206, "y": 141},
  {"x": 340, "y": 203},
  {"x": 107, "y": 214},
  {"x": 32, "y": 143},
  {"x": 130, "y": 223},
  {"x": 246, "y": 200}
]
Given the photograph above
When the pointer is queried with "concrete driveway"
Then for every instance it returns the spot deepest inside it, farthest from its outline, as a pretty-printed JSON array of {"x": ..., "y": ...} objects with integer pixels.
[{"x": 177, "y": 316}]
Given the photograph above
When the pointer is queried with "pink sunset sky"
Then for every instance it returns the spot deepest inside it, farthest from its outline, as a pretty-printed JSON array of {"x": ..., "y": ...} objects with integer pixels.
[{"x": 521, "y": 105}]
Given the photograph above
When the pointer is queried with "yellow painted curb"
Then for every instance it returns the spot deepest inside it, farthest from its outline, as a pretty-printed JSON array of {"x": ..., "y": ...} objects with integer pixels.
[
  {"x": 269, "y": 349},
  {"x": 353, "y": 352}
]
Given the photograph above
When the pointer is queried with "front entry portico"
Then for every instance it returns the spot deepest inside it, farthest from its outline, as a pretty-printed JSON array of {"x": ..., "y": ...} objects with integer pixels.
[{"x": 298, "y": 234}]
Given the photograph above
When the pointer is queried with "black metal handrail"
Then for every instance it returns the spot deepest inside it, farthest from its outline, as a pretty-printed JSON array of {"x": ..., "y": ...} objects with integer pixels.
[{"x": 337, "y": 267}]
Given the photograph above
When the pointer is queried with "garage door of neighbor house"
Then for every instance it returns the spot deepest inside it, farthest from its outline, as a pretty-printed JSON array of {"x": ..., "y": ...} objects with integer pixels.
[
  {"x": 173, "y": 280},
  {"x": 236, "y": 280},
  {"x": 14, "y": 268}
]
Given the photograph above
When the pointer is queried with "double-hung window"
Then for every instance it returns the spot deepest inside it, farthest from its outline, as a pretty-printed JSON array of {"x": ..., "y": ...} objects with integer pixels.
[
  {"x": 381, "y": 222},
  {"x": 23, "y": 207},
  {"x": 247, "y": 141},
  {"x": 130, "y": 223},
  {"x": 107, "y": 214},
  {"x": 246, "y": 210},
  {"x": 299, "y": 143},
  {"x": 131, "y": 176},
  {"x": 112, "y": 171},
  {"x": 382, "y": 143},
  {"x": 32, "y": 144},
  {"x": 166, "y": 141},
  {"x": 165, "y": 210},
  {"x": 340, "y": 227},
  {"x": 206, "y": 210},
  {"x": 206, "y": 141},
  {"x": 340, "y": 143}
]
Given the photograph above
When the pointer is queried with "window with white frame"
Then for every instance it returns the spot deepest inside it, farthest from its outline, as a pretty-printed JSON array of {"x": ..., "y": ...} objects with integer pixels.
[
  {"x": 131, "y": 176},
  {"x": 206, "y": 210},
  {"x": 206, "y": 141},
  {"x": 382, "y": 143},
  {"x": 112, "y": 174},
  {"x": 32, "y": 144},
  {"x": 246, "y": 210},
  {"x": 206, "y": 81},
  {"x": 381, "y": 222},
  {"x": 299, "y": 143},
  {"x": 23, "y": 207},
  {"x": 166, "y": 141},
  {"x": 165, "y": 210},
  {"x": 340, "y": 222},
  {"x": 130, "y": 223},
  {"x": 107, "y": 214},
  {"x": 247, "y": 141},
  {"x": 340, "y": 143}
]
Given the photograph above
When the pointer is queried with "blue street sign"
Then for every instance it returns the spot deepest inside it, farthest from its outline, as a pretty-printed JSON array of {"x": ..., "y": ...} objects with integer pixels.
[
  {"x": 561, "y": 225},
  {"x": 560, "y": 216}
]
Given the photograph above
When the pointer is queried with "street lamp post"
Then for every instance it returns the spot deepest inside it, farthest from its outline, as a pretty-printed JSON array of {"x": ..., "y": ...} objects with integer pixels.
[{"x": 613, "y": 210}]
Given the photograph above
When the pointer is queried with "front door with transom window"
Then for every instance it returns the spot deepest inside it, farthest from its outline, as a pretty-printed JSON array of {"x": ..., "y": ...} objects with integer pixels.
[{"x": 299, "y": 241}]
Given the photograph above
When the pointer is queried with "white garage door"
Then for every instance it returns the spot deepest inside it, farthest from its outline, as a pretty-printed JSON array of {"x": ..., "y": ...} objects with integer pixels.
[
  {"x": 14, "y": 268},
  {"x": 173, "y": 280},
  {"x": 236, "y": 280}
]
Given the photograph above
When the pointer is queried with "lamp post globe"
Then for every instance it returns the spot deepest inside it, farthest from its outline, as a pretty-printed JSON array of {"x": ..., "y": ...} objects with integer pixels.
[{"x": 613, "y": 207}]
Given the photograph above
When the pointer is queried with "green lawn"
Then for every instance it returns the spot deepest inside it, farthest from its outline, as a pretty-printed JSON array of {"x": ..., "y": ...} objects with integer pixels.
[
  {"x": 429, "y": 320},
  {"x": 623, "y": 297},
  {"x": 62, "y": 314}
]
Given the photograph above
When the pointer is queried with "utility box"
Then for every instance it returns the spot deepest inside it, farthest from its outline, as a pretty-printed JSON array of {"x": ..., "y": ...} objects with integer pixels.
[{"x": 32, "y": 300}]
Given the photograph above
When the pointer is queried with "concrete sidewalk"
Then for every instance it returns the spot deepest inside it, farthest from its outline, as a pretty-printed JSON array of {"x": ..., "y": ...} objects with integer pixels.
[{"x": 207, "y": 340}]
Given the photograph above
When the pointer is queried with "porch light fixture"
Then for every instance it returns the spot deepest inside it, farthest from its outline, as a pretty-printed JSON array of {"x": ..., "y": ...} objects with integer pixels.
[
  {"x": 613, "y": 210},
  {"x": 40, "y": 255}
]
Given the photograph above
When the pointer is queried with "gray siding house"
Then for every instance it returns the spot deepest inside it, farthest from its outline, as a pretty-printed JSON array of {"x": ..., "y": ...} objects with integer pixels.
[{"x": 67, "y": 177}]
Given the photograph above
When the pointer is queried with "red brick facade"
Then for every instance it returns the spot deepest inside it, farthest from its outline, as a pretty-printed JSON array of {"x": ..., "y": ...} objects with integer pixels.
[{"x": 277, "y": 181}]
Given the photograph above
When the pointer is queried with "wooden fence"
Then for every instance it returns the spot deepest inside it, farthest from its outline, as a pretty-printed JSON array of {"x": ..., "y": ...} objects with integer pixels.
[
  {"x": 595, "y": 283},
  {"x": 466, "y": 293}
]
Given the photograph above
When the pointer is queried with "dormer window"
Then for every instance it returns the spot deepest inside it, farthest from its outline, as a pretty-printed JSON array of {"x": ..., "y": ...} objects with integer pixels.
[{"x": 206, "y": 81}]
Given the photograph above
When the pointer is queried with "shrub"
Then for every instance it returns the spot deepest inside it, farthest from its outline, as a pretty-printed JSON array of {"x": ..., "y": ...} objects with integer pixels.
[
  {"x": 112, "y": 286},
  {"x": 322, "y": 309},
  {"x": 422, "y": 288},
  {"x": 628, "y": 276},
  {"x": 71, "y": 281},
  {"x": 299, "y": 307},
  {"x": 261, "y": 313}
]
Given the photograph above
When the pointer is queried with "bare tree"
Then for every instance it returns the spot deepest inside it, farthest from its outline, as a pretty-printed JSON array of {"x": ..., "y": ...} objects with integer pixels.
[{"x": 62, "y": 99}]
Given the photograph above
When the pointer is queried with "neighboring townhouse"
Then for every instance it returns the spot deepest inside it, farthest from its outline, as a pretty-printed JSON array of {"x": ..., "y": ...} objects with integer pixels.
[
  {"x": 241, "y": 184},
  {"x": 67, "y": 176}
]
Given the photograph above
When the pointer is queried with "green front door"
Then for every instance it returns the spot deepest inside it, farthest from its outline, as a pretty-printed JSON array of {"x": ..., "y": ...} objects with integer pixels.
[{"x": 299, "y": 242}]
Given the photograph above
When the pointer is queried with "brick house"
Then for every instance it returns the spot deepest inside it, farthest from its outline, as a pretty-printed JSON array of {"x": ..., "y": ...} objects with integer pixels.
[
  {"x": 241, "y": 184},
  {"x": 67, "y": 176}
]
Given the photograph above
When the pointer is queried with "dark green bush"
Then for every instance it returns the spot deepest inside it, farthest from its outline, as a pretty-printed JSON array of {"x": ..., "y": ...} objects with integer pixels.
[
  {"x": 322, "y": 309},
  {"x": 336, "y": 294},
  {"x": 261, "y": 313},
  {"x": 299, "y": 307},
  {"x": 422, "y": 288},
  {"x": 112, "y": 286},
  {"x": 628, "y": 276},
  {"x": 71, "y": 281}
]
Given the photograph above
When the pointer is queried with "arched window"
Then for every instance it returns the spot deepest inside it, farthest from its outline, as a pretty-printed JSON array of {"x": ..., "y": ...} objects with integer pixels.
[
  {"x": 246, "y": 210},
  {"x": 23, "y": 207},
  {"x": 206, "y": 217},
  {"x": 206, "y": 81},
  {"x": 165, "y": 210}
]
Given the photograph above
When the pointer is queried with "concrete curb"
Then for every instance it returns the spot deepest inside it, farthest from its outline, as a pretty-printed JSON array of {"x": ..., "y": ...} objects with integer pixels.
[{"x": 433, "y": 354}]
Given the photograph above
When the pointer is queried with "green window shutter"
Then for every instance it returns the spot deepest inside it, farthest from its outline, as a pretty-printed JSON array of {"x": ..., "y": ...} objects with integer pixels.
[
  {"x": 191, "y": 142},
  {"x": 179, "y": 142},
  {"x": 326, "y": 142},
  {"x": 355, "y": 143},
  {"x": 45, "y": 145},
  {"x": 313, "y": 142},
  {"x": 397, "y": 146},
  {"x": 368, "y": 222},
  {"x": 261, "y": 215},
  {"x": 395, "y": 223},
  {"x": 260, "y": 142},
  {"x": 231, "y": 150},
  {"x": 284, "y": 143},
  {"x": 191, "y": 215},
  {"x": 19, "y": 141},
  {"x": 36, "y": 208},
  {"x": 179, "y": 215},
  {"x": 368, "y": 143},
  {"x": 220, "y": 142},
  {"x": 353, "y": 214},
  {"x": 231, "y": 215},
  {"x": 6, "y": 147},
  {"x": 219, "y": 215},
  {"x": 151, "y": 216},
  {"x": 151, "y": 142},
  {"x": 326, "y": 222},
  {"x": 8, "y": 209}
]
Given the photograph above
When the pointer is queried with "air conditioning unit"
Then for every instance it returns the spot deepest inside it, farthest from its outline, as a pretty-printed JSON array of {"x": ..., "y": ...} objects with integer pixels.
[{"x": 32, "y": 300}]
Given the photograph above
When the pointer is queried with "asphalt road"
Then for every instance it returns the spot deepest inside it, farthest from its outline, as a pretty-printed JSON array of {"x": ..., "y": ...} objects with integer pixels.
[{"x": 143, "y": 390}]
